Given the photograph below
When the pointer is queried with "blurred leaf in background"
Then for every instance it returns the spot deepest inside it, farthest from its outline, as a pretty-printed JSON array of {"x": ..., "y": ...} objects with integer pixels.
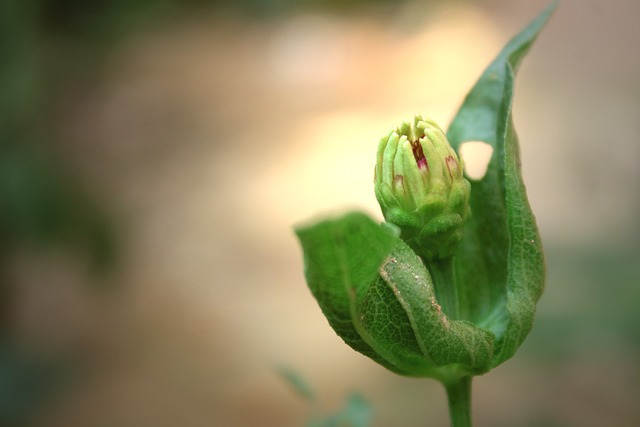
[{"x": 356, "y": 411}]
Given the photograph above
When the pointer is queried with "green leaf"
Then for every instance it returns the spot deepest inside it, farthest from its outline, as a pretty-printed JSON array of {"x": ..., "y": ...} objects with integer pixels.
[
  {"x": 500, "y": 261},
  {"x": 341, "y": 260},
  {"x": 378, "y": 296},
  {"x": 440, "y": 340}
]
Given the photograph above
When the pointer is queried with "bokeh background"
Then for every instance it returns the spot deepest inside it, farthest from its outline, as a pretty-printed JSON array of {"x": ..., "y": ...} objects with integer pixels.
[{"x": 154, "y": 156}]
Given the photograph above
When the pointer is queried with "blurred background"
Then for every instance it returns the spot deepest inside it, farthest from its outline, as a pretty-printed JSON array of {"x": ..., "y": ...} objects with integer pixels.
[{"x": 154, "y": 156}]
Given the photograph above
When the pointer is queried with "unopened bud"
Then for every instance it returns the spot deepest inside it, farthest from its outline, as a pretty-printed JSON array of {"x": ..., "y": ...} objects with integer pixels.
[{"x": 420, "y": 187}]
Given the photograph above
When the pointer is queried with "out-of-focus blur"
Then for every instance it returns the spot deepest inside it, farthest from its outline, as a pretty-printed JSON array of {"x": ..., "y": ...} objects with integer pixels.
[{"x": 154, "y": 157}]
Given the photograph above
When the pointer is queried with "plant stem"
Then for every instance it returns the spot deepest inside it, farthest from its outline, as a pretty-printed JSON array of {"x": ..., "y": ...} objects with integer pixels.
[
  {"x": 444, "y": 283},
  {"x": 459, "y": 399}
]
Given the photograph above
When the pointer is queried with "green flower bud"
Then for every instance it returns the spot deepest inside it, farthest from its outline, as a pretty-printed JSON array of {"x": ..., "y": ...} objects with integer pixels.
[{"x": 420, "y": 187}]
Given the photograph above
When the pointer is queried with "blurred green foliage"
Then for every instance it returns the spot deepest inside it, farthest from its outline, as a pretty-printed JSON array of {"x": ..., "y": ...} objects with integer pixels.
[{"x": 356, "y": 411}]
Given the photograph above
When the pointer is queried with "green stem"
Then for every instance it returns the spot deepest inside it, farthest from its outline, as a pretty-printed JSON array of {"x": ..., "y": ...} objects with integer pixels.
[
  {"x": 444, "y": 283},
  {"x": 459, "y": 397}
]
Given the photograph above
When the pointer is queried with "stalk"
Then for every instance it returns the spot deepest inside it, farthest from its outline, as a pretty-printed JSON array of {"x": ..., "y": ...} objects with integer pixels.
[
  {"x": 459, "y": 399},
  {"x": 444, "y": 283}
]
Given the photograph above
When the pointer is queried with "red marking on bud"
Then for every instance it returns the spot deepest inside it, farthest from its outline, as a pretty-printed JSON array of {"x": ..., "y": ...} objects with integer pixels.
[
  {"x": 418, "y": 154},
  {"x": 452, "y": 165}
]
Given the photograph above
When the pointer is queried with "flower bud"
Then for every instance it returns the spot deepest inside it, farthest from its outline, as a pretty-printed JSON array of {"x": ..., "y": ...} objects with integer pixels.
[{"x": 420, "y": 187}]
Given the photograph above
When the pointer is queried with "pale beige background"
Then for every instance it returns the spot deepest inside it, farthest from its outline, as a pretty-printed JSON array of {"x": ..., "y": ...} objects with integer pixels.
[{"x": 211, "y": 136}]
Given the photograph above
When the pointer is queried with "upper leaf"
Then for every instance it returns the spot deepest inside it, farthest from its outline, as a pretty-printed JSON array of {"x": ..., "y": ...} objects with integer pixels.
[{"x": 500, "y": 260}]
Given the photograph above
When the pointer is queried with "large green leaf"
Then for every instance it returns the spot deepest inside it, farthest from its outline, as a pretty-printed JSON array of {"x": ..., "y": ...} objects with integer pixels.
[
  {"x": 378, "y": 296},
  {"x": 500, "y": 262}
]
